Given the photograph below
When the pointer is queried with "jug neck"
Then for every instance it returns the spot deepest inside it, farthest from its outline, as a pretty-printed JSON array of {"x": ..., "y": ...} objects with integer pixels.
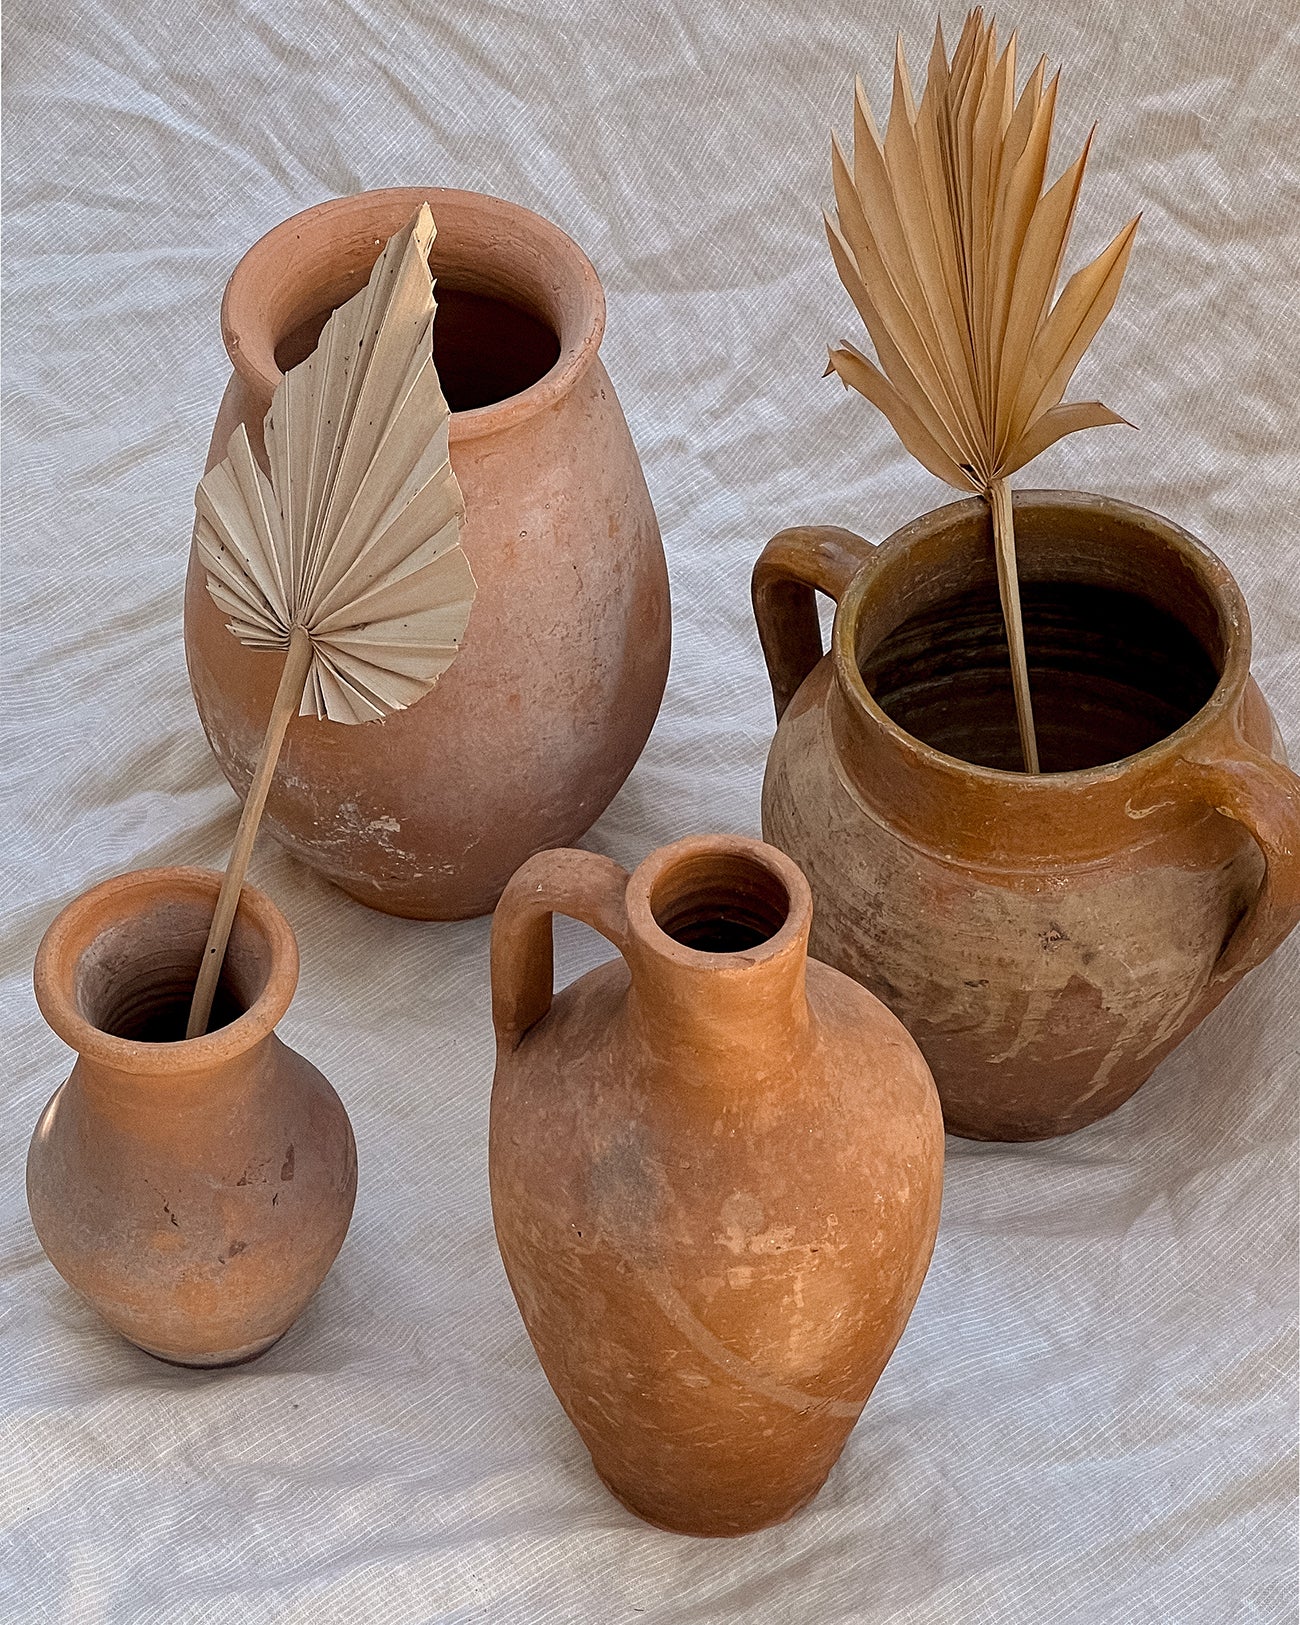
[
  {"x": 114, "y": 975},
  {"x": 717, "y": 949}
]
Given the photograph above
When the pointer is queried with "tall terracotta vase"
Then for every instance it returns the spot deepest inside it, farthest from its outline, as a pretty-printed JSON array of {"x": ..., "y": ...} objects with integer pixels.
[
  {"x": 1047, "y": 939},
  {"x": 715, "y": 1169},
  {"x": 528, "y": 735},
  {"x": 194, "y": 1191}
]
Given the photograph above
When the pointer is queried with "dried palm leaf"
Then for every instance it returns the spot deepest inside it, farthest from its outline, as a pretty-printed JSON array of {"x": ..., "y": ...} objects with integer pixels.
[
  {"x": 348, "y": 557},
  {"x": 951, "y": 250}
]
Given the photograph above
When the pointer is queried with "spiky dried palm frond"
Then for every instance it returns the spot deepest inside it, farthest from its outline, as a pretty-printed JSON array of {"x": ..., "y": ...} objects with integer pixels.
[{"x": 951, "y": 250}]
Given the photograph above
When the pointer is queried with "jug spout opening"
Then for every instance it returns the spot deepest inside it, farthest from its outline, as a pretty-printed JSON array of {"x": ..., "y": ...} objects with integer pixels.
[
  {"x": 719, "y": 902},
  {"x": 718, "y": 944}
]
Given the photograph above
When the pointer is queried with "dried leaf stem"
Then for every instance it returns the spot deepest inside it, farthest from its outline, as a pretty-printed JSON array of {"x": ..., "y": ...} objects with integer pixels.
[
  {"x": 1004, "y": 547},
  {"x": 288, "y": 697}
]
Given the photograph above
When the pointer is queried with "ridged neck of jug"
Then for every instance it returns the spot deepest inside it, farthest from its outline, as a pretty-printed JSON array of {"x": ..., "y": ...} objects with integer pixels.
[
  {"x": 114, "y": 975},
  {"x": 718, "y": 949},
  {"x": 971, "y": 813},
  {"x": 313, "y": 262}
]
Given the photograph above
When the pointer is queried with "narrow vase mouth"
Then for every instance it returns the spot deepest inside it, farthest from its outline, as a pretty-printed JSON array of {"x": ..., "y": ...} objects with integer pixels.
[
  {"x": 116, "y": 969},
  {"x": 1138, "y": 639},
  {"x": 521, "y": 309},
  {"x": 719, "y": 901}
]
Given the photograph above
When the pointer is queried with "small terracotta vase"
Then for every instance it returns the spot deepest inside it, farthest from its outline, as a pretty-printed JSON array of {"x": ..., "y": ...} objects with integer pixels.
[
  {"x": 716, "y": 1168},
  {"x": 194, "y": 1191},
  {"x": 1046, "y": 939},
  {"x": 542, "y": 715}
]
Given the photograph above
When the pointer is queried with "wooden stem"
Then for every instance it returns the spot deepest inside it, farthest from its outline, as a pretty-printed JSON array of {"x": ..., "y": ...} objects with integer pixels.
[
  {"x": 288, "y": 697},
  {"x": 1004, "y": 546}
]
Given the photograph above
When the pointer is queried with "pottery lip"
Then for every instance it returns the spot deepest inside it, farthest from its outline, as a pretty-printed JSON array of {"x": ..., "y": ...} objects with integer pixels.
[
  {"x": 113, "y": 901},
  {"x": 1214, "y": 577},
  {"x": 251, "y": 332},
  {"x": 789, "y": 938}
]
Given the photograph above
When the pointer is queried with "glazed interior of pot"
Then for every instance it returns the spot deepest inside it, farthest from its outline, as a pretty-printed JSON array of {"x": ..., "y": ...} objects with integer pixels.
[
  {"x": 719, "y": 903},
  {"x": 486, "y": 349},
  {"x": 136, "y": 978},
  {"x": 1123, "y": 640}
]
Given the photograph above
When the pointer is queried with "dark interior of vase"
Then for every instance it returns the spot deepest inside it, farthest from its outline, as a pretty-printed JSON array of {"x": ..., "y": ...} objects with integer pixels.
[
  {"x": 719, "y": 903},
  {"x": 485, "y": 349},
  {"x": 160, "y": 1017},
  {"x": 1110, "y": 673},
  {"x": 136, "y": 979}
]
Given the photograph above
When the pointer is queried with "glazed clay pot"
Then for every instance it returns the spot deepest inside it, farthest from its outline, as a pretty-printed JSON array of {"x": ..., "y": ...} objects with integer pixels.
[
  {"x": 194, "y": 1191},
  {"x": 1046, "y": 939},
  {"x": 716, "y": 1169},
  {"x": 540, "y": 718}
]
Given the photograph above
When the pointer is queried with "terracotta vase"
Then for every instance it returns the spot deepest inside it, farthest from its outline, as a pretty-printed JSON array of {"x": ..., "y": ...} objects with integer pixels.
[
  {"x": 716, "y": 1169},
  {"x": 194, "y": 1191},
  {"x": 1046, "y": 939},
  {"x": 532, "y": 730}
]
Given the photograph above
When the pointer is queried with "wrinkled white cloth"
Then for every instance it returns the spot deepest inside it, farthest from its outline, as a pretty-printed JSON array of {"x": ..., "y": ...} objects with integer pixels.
[{"x": 1092, "y": 1415}]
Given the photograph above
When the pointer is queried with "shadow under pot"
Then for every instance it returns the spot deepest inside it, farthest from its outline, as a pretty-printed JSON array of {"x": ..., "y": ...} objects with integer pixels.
[
  {"x": 194, "y": 1191},
  {"x": 535, "y": 725},
  {"x": 1047, "y": 939},
  {"x": 716, "y": 1169}
]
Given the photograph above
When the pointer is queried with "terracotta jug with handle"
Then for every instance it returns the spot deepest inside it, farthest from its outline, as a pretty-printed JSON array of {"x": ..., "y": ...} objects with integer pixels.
[
  {"x": 715, "y": 1169},
  {"x": 1047, "y": 939}
]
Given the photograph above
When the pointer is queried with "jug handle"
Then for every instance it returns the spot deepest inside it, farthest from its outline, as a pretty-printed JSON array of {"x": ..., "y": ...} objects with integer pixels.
[
  {"x": 794, "y": 564},
  {"x": 1264, "y": 797},
  {"x": 583, "y": 885}
]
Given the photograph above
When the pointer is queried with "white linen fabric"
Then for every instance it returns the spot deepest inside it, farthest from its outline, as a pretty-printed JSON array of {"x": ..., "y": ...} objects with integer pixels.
[{"x": 1092, "y": 1414}]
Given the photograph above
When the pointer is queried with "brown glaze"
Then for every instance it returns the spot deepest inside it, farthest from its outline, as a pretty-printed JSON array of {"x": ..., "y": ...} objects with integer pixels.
[
  {"x": 194, "y": 1192},
  {"x": 1047, "y": 939},
  {"x": 716, "y": 1169},
  {"x": 532, "y": 730}
]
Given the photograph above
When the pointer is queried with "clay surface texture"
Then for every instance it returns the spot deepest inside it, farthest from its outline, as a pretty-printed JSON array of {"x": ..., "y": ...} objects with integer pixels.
[
  {"x": 1046, "y": 938},
  {"x": 194, "y": 1191},
  {"x": 716, "y": 1170}
]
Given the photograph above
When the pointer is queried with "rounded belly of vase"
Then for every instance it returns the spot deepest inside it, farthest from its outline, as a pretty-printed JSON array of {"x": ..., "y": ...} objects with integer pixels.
[{"x": 1040, "y": 1007}]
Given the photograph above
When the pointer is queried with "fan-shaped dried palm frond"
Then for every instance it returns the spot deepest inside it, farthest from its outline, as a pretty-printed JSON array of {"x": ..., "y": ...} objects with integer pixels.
[
  {"x": 348, "y": 557},
  {"x": 355, "y": 536},
  {"x": 951, "y": 250}
]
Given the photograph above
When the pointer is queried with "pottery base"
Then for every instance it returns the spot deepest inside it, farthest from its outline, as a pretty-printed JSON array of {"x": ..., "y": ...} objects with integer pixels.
[
  {"x": 1009, "y": 1133},
  {"x": 213, "y": 1362},
  {"x": 413, "y": 904},
  {"x": 708, "y": 1534}
]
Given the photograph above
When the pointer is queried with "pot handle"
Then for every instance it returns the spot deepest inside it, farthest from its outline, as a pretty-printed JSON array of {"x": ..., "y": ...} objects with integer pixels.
[
  {"x": 1264, "y": 797},
  {"x": 794, "y": 564},
  {"x": 582, "y": 885}
]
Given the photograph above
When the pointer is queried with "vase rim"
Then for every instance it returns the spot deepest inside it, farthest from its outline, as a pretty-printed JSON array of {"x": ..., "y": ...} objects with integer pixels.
[
  {"x": 1212, "y": 575},
  {"x": 285, "y": 264},
  {"x": 718, "y": 859},
  {"x": 113, "y": 902}
]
